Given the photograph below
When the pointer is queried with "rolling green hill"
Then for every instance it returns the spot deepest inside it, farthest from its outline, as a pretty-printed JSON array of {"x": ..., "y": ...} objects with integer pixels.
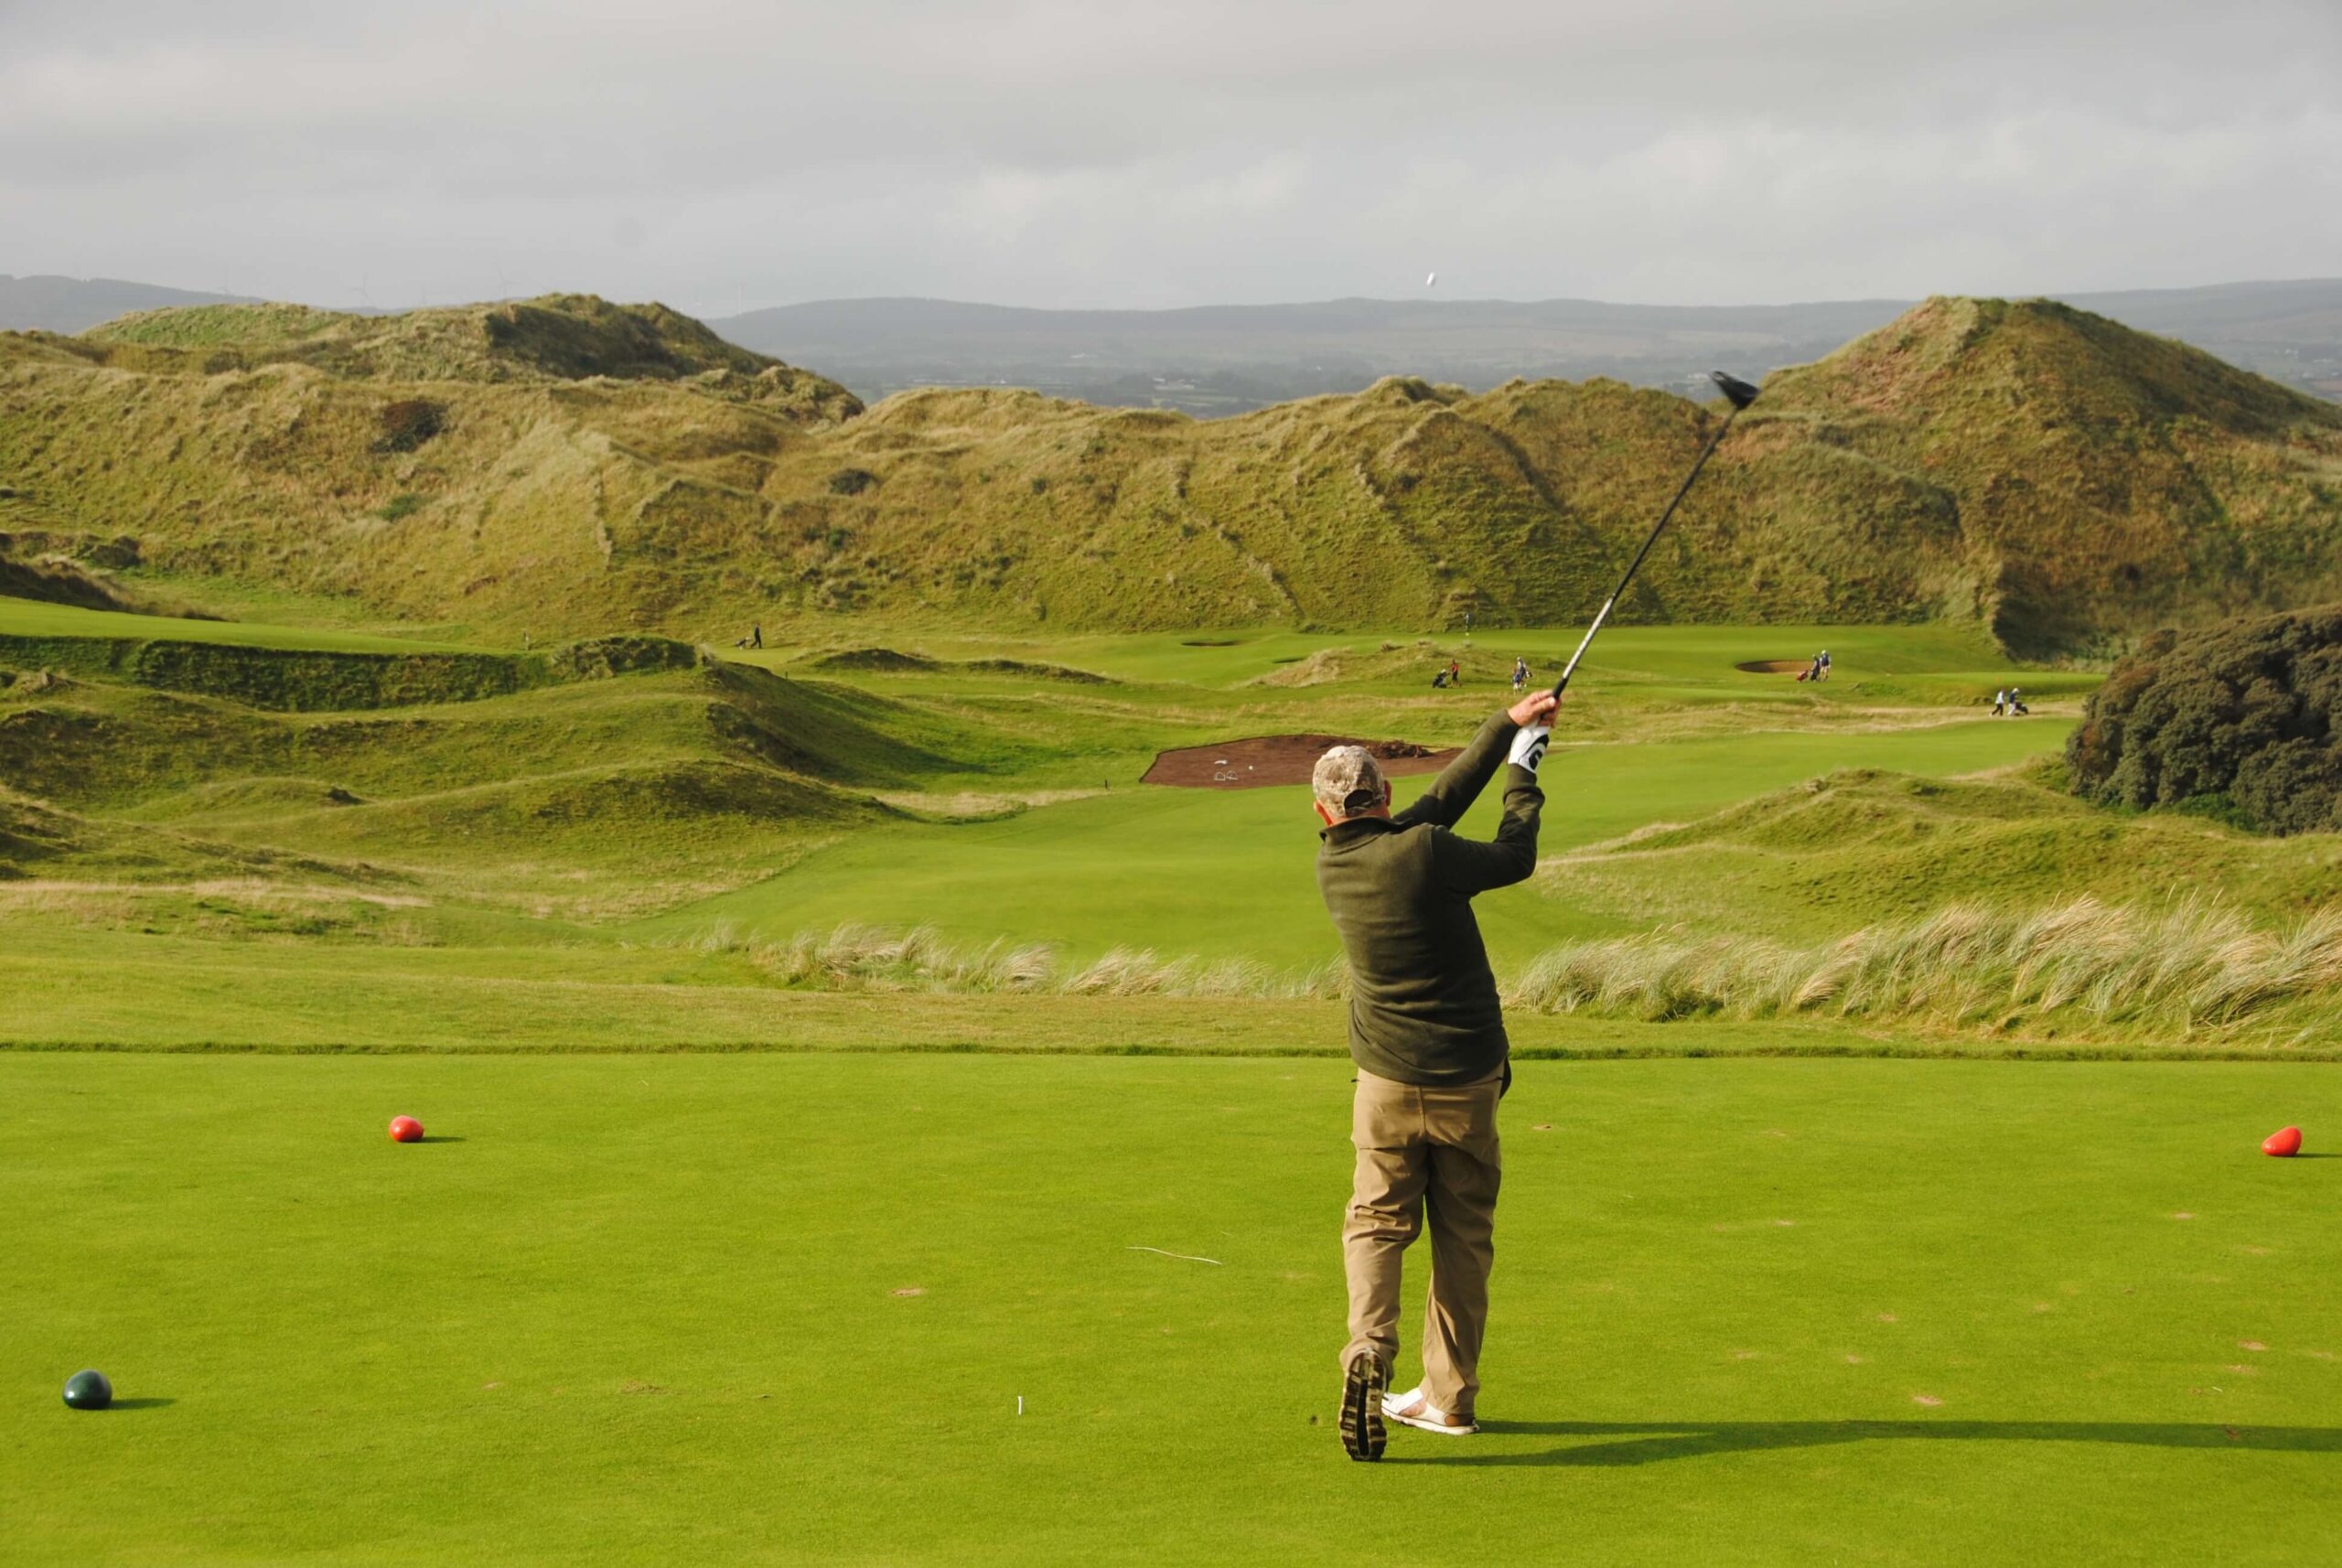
[
  {"x": 1860, "y": 846},
  {"x": 564, "y": 467},
  {"x": 560, "y": 783}
]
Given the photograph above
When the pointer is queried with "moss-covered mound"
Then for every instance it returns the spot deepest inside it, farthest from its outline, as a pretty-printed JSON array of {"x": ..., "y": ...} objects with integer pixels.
[{"x": 2240, "y": 720}]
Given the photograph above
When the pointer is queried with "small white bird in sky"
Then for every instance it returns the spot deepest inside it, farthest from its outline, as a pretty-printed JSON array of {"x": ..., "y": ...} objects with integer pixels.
[{"x": 1430, "y": 278}]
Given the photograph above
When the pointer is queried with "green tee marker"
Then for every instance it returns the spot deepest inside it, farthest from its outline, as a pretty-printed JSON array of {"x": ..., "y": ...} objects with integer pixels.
[{"x": 88, "y": 1391}]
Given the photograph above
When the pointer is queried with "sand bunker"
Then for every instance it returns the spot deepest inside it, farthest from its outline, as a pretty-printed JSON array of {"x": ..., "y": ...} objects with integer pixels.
[
  {"x": 1280, "y": 760},
  {"x": 887, "y": 660},
  {"x": 1775, "y": 666}
]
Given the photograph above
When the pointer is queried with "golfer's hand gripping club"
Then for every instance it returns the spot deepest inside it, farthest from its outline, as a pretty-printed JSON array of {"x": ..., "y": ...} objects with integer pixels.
[{"x": 1532, "y": 717}]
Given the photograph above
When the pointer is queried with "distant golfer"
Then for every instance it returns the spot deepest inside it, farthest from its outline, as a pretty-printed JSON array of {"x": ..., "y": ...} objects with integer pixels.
[
  {"x": 1520, "y": 673},
  {"x": 1427, "y": 1036},
  {"x": 1999, "y": 702}
]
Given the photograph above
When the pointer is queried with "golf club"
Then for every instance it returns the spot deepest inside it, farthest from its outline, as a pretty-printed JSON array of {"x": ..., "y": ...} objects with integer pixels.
[{"x": 1741, "y": 394}]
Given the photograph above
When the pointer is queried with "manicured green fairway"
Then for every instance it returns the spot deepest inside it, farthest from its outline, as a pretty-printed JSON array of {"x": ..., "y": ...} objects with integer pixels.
[
  {"x": 30, "y": 618},
  {"x": 1207, "y": 872},
  {"x": 646, "y": 1310}
]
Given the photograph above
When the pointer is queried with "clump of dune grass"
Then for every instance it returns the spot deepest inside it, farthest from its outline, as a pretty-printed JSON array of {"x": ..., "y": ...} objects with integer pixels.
[
  {"x": 1125, "y": 972},
  {"x": 862, "y": 958},
  {"x": 2193, "y": 965},
  {"x": 2196, "y": 965}
]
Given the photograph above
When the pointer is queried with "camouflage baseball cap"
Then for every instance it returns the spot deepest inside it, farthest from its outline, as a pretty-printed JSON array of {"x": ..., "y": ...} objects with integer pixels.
[{"x": 1347, "y": 781}]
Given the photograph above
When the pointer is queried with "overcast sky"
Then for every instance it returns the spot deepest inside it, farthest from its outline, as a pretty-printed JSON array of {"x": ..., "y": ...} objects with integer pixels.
[{"x": 722, "y": 155}]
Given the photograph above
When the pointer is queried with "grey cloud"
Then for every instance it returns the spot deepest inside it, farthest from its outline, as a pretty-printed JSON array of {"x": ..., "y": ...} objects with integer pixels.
[{"x": 723, "y": 155}]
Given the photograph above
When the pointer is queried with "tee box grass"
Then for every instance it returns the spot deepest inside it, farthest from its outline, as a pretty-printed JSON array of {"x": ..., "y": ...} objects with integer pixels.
[{"x": 783, "y": 1309}]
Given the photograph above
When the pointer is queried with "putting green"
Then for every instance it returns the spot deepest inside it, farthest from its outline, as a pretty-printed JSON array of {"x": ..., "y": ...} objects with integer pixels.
[{"x": 782, "y": 1309}]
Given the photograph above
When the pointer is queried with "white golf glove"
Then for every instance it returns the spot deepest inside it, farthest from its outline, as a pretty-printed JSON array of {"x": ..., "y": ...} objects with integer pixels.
[{"x": 1529, "y": 746}]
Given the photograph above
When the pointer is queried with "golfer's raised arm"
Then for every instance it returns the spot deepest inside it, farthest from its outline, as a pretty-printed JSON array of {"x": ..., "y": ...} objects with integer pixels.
[
  {"x": 1460, "y": 782},
  {"x": 1468, "y": 866}
]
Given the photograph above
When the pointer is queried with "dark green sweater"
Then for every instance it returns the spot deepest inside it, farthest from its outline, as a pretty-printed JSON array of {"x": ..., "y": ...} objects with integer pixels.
[{"x": 1423, "y": 1000}]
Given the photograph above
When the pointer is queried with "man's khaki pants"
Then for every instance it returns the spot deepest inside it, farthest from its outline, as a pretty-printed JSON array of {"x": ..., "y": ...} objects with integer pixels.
[{"x": 1424, "y": 1151}]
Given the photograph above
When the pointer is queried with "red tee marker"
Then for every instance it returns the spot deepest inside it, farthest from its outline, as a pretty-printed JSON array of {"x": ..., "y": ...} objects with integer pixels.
[
  {"x": 407, "y": 1130},
  {"x": 2283, "y": 1143}
]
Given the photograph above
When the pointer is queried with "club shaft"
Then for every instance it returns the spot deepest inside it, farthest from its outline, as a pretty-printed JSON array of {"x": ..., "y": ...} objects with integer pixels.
[{"x": 1635, "y": 565}]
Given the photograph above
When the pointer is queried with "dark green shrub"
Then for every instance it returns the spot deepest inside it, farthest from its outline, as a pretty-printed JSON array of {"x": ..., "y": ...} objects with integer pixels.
[
  {"x": 852, "y": 481},
  {"x": 2238, "y": 719},
  {"x": 408, "y": 424}
]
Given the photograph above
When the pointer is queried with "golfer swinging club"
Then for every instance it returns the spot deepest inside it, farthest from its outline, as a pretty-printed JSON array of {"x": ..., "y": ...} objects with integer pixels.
[{"x": 1428, "y": 1037}]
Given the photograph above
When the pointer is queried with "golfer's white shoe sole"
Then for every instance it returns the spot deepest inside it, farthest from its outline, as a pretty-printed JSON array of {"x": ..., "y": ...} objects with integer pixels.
[{"x": 1428, "y": 1418}]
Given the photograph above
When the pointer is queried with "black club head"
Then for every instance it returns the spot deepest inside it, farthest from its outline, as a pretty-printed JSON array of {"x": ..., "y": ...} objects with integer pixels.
[{"x": 1741, "y": 393}]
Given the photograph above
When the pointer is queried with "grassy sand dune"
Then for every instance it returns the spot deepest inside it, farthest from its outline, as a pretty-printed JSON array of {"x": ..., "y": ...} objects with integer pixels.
[{"x": 563, "y": 465}]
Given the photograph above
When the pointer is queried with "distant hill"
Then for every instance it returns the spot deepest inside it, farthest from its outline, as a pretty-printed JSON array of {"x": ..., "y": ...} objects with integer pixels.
[
  {"x": 1218, "y": 359},
  {"x": 556, "y": 338},
  {"x": 567, "y": 466},
  {"x": 48, "y": 303},
  {"x": 1229, "y": 358}
]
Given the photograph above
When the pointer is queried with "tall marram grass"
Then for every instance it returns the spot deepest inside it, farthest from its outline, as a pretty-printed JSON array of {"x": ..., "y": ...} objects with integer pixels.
[
  {"x": 861, "y": 958},
  {"x": 2193, "y": 965}
]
